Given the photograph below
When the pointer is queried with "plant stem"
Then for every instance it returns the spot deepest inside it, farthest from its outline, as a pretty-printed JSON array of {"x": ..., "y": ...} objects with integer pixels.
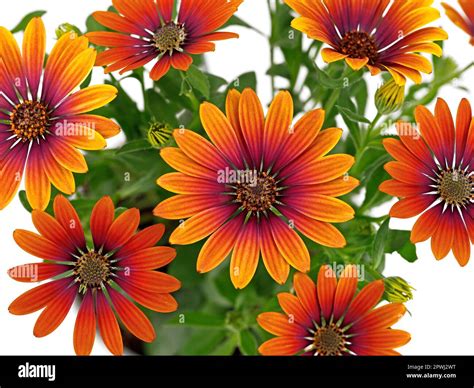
[{"x": 365, "y": 143}]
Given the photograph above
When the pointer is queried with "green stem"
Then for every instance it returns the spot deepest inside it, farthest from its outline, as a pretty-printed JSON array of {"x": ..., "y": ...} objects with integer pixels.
[{"x": 365, "y": 144}]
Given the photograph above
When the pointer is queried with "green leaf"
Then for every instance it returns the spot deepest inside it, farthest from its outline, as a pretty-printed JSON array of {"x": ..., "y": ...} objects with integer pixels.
[
  {"x": 198, "y": 319},
  {"x": 246, "y": 80},
  {"x": 24, "y": 201},
  {"x": 399, "y": 241},
  {"x": 199, "y": 81},
  {"x": 135, "y": 146},
  {"x": 24, "y": 22},
  {"x": 378, "y": 247},
  {"x": 236, "y": 21},
  {"x": 248, "y": 343},
  {"x": 352, "y": 116}
]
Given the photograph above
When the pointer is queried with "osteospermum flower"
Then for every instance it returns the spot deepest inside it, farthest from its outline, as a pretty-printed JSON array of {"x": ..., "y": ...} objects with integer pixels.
[
  {"x": 42, "y": 122},
  {"x": 118, "y": 266},
  {"x": 255, "y": 184},
  {"x": 331, "y": 319},
  {"x": 147, "y": 30},
  {"x": 380, "y": 34},
  {"x": 433, "y": 174},
  {"x": 465, "y": 23}
]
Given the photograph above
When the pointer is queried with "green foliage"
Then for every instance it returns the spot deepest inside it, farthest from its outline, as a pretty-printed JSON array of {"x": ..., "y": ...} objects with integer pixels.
[{"x": 21, "y": 26}]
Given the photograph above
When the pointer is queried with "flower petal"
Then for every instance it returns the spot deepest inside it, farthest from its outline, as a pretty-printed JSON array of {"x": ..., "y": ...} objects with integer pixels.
[{"x": 84, "y": 328}]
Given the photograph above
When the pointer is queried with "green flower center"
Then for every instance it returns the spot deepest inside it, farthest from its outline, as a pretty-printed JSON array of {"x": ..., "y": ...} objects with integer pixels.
[
  {"x": 358, "y": 45},
  {"x": 455, "y": 187},
  {"x": 92, "y": 270},
  {"x": 170, "y": 37},
  {"x": 29, "y": 120}
]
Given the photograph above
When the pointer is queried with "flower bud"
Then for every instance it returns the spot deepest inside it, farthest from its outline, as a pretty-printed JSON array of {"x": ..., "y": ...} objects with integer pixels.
[
  {"x": 390, "y": 97},
  {"x": 159, "y": 134},
  {"x": 67, "y": 28},
  {"x": 397, "y": 290}
]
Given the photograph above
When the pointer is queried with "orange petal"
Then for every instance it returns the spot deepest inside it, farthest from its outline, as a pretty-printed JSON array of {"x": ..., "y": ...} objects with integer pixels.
[
  {"x": 442, "y": 239},
  {"x": 277, "y": 125},
  {"x": 39, "y": 246},
  {"x": 244, "y": 260},
  {"x": 292, "y": 307},
  {"x": 326, "y": 286},
  {"x": 282, "y": 346},
  {"x": 161, "y": 68},
  {"x": 274, "y": 262},
  {"x": 356, "y": 63},
  {"x": 180, "y": 183},
  {"x": 132, "y": 318},
  {"x": 122, "y": 229},
  {"x": 179, "y": 161},
  {"x": 380, "y": 318},
  {"x": 290, "y": 245},
  {"x": 152, "y": 281},
  {"x": 320, "y": 232},
  {"x": 101, "y": 219},
  {"x": 108, "y": 325},
  {"x": 199, "y": 149},
  {"x": 68, "y": 218},
  {"x": 400, "y": 189},
  {"x": 320, "y": 207},
  {"x": 66, "y": 155},
  {"x": 346, "y": 289},
  {"x": 365, "y": 300},
  {"x": 146, "y": 238},
  {"x": 307, "y": 294},
  {"x": 85, "y": 100},
  {"x": 181, "y": 61},
  {"x": 412, "y": 206},
  {"x": 55, "y": 312},
  {"x": 252, "y": 122},
  {"x": 52, "y": 230},
  {"x": 34, "y": 49},
  {"x": 426, "y": 225},
  {"x": 461, "y": 242},
  {"x": 330, "y": 55},
  {"x": 148, "y": 258},
  {"x": 219, "y": 245},
  {"x": 383, "y": 339},
  {"x": 37, "y": 185},
  {"x": 184, "y": 206},
  {"x": 84, "y": 328},
  {"x": 162, "y": 303},
  {"x": 280, "y": 325},
  {"x": 201, "y": 225}
]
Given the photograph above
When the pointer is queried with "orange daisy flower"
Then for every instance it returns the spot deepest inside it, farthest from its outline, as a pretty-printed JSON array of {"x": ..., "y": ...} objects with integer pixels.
[
  {"x": 330, "y": 319},
  {"x": 380, "y": 34},
  {"x": 465, "y": 23},
  {"x": 147, "y": 30},
  {"x": 119, "y": 265},
  {"x": 42, "y": 122},
  {"x": 256, "y": 183},
  {"x": 434, "y": 175}
]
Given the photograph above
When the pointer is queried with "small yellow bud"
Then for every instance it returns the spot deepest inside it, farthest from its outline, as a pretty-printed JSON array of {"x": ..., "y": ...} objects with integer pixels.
[
  {"x": 159, "y": 134},
  {"x": 67, "y": 28},
  {"x": 397, "y": 290},
  {"x": 390, "y": 97}
]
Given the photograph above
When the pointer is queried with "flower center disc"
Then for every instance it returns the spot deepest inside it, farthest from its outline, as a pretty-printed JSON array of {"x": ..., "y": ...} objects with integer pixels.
[
  {"x": 329, "y": 341},
  {"x": 170, "y": 37},
  {"x": 455, "y": 187},
  {"x": 29, "y": 120},
  {"x": 258, "y": 195},
  {"x": 358, "y": 44},
  {"x": 92, "y": 269}
]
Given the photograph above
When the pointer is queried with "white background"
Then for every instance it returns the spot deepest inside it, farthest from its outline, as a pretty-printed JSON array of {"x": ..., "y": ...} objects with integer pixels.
[{"x": 442, "y": 313}]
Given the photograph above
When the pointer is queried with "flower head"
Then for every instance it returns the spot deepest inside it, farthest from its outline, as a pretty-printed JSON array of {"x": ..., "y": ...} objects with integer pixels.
[
  {"x": 331, "y": 319},
  {"x": 434, "y": 175},
  {"x": 255, "y": 184},
  {"x": 43, "y": 122},
  {"x": 147, "y": 30},
  {"x": 118, "y": 266},
  {"x": 383, "y": 35},
  {"x": 465, "y": 23}
]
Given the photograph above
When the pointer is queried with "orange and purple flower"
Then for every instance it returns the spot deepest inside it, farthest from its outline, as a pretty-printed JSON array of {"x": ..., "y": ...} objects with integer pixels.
[
  {"x": 148, "y": 30},
  {"x": 434, "y": 176},
  {"x": 43, "y": 122},
  {"x": 255, "y": 184},
  {"x": 119, "y": 266},
  {"x": 331, "y": 319}
]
